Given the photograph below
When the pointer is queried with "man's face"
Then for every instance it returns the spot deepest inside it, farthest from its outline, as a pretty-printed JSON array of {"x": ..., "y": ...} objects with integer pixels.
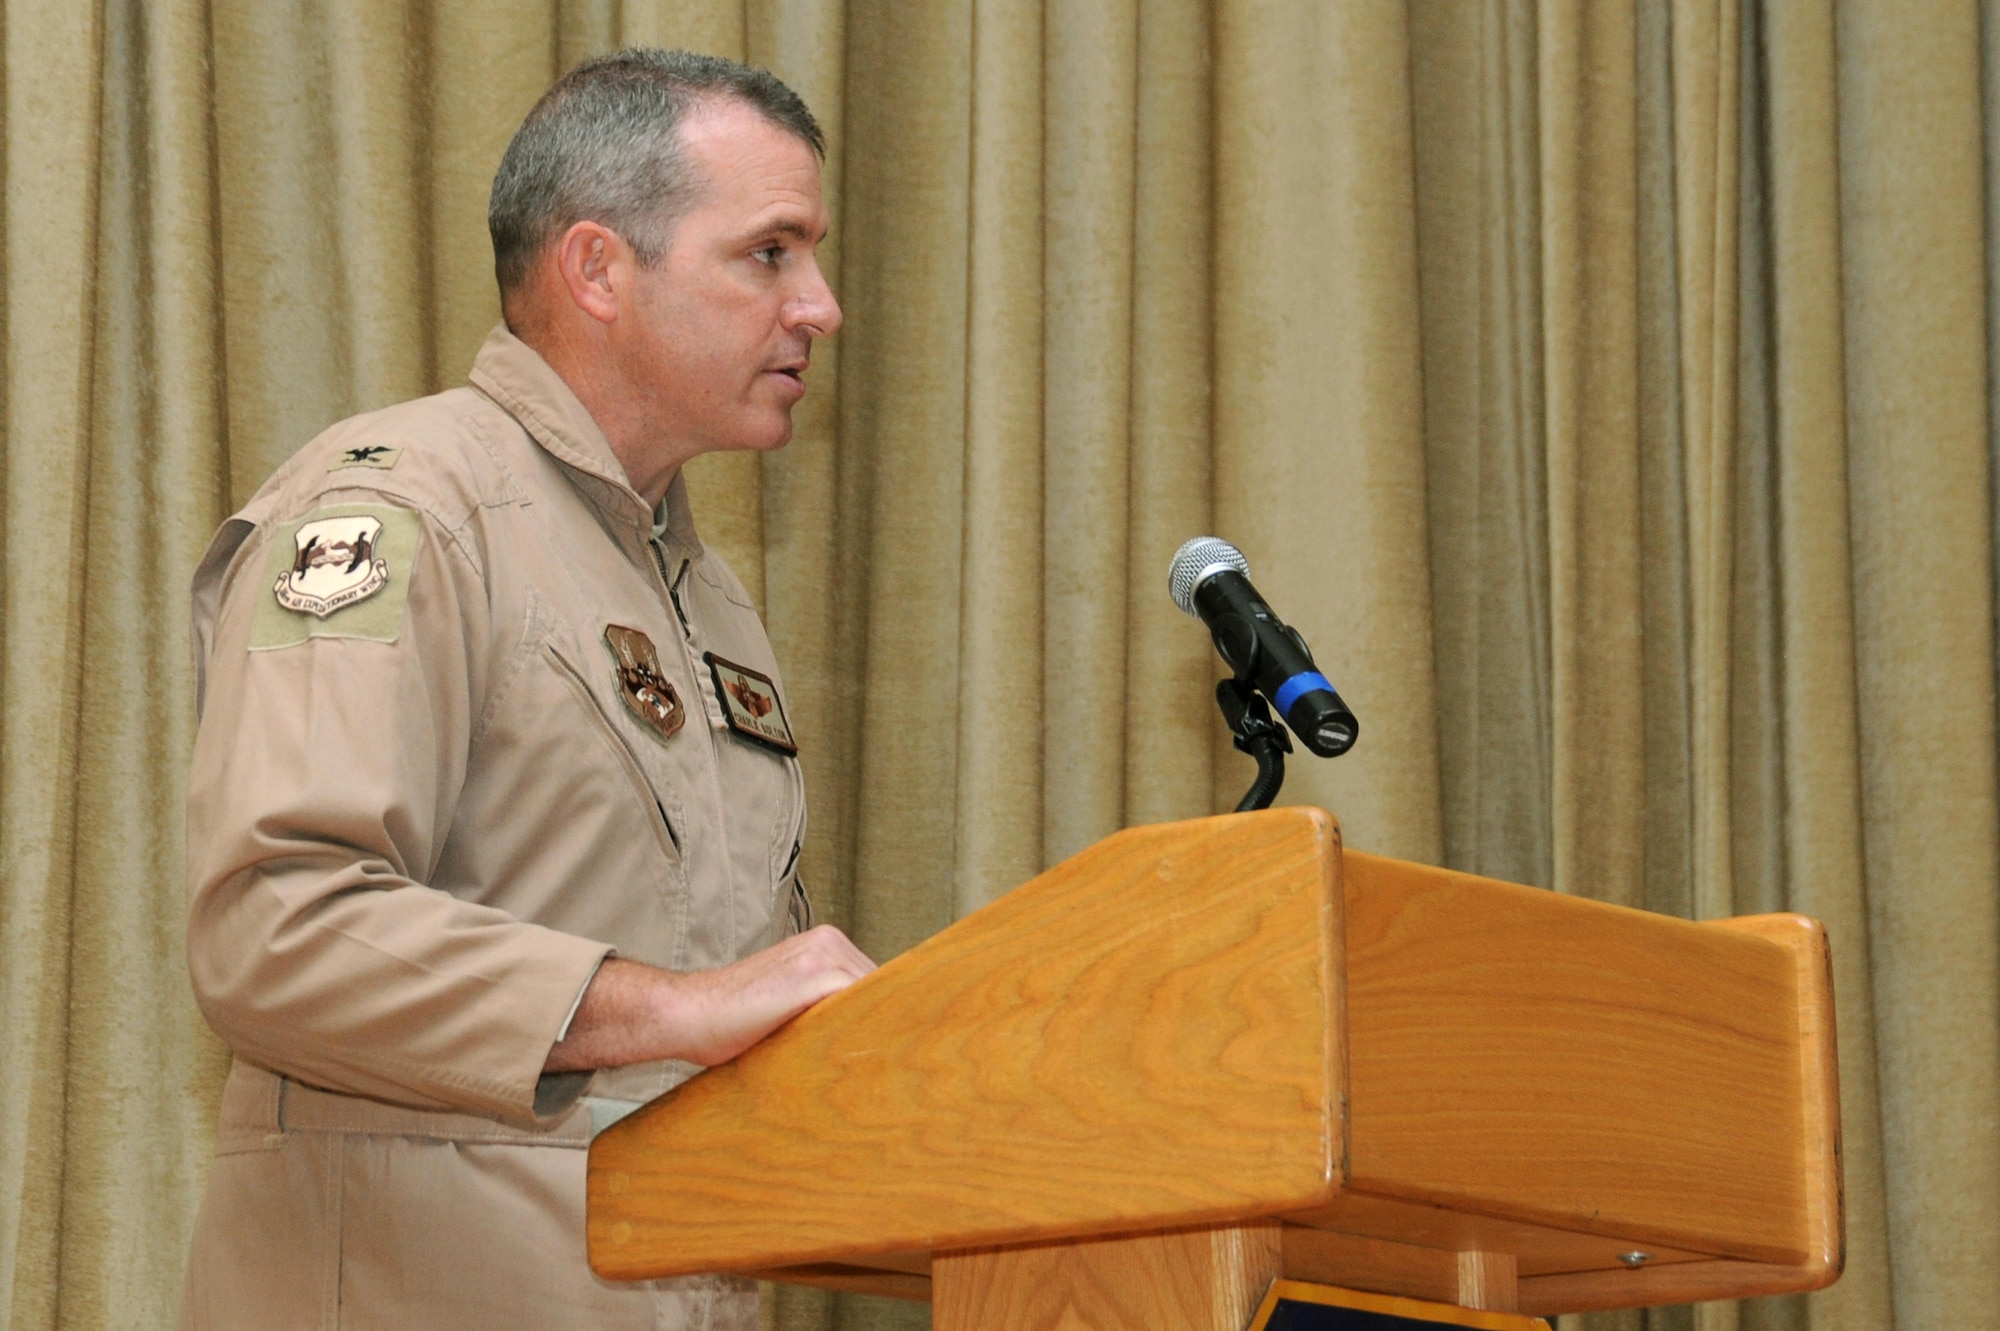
[{"x": 721, "y": 328}]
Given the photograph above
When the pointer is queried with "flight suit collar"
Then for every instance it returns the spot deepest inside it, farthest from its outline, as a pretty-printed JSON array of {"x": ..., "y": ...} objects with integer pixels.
[
  {"x": 679, "y": 517},
  {"x": 514, "y": 375}
]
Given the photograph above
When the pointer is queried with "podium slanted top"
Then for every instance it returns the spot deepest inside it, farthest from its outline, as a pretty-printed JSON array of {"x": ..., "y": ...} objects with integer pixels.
[{"x": 1231, "y": 1019}]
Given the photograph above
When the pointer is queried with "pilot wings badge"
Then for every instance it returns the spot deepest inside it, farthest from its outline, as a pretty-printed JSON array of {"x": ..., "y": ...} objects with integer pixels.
[{"x": 335, "y": 566}]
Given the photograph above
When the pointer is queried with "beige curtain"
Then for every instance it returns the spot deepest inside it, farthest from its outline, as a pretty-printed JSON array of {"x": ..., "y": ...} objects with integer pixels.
[{"x": 1605, "y": 389}]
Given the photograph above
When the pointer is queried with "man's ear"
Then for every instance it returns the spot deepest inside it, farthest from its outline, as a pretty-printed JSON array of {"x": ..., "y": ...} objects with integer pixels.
[{"x": 593, "y": 263}]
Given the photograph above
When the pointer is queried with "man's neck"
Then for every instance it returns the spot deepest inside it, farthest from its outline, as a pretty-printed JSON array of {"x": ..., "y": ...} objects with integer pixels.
[{"x": 587, "y": 366}]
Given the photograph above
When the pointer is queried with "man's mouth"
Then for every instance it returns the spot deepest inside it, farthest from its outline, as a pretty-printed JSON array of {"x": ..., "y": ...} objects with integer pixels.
[
  {"x": 794, "y": 374},
  {"x": 794, "y": 365}
]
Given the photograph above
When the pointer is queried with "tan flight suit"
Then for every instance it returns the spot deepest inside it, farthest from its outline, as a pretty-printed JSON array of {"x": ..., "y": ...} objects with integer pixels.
[{"x": 416, "y": 825}]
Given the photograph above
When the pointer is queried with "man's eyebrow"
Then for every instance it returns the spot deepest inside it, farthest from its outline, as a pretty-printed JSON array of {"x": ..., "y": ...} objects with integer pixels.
[{"x": 796, "y": 230}]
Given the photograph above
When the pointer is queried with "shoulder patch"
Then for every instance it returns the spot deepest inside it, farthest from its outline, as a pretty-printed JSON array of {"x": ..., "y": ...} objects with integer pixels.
[
  {"x": 338, "y": 572},
  {"x": 380, "y": 456}
]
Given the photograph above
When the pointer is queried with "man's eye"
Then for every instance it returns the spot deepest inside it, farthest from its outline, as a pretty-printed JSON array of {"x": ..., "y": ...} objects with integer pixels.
[{"x": 769, "y": 254}]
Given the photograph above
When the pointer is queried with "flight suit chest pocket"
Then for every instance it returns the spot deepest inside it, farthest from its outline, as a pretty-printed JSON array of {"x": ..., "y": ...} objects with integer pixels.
[
  {"x": 789, "y": 905},
  {"x": 792, "y": 898},
  {"x": 661, "y": 805}
]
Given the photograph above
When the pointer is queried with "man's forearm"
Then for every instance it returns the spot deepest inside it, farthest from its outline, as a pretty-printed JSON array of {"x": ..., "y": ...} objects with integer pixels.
[{"x": 633, "y": 1013}]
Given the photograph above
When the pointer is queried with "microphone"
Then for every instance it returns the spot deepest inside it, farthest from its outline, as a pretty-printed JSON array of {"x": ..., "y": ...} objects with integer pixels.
[{"x": 1210, "y": 580}]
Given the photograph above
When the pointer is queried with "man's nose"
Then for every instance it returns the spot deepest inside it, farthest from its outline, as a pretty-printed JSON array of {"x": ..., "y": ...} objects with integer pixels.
[{"x": 814, "y": 307}]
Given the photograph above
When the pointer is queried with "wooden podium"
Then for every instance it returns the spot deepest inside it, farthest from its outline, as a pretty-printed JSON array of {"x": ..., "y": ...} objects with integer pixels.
[{"x": 1202, "y": 1055}]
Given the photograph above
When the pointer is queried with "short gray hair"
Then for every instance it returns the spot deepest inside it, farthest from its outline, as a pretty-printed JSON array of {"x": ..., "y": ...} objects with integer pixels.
[{"x": 603, "y": 145}]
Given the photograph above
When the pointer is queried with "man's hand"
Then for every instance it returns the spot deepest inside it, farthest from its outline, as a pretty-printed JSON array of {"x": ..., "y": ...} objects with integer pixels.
[{"x": 635, "y": 1014}]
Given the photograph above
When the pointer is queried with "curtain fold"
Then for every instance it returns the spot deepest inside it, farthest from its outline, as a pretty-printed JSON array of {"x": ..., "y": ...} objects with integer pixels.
[
  {"x": 1318, "y": 451},
  {"x": 1706, "y": 45},
  {"x": 1589, "y": 204},
  {"x": 51, "y": 146},
  {"x": 1476, "y": 121},
  {"x": 998, "y": 814},
  {"x": 1604, "y": 389},
  {"x": 113, "y": 484},
  {"x": 1169, "y": 666},
  {"x": 1914, "y": 256},
  {"x": 1091, "y": 253},
  {"x": 1823, "y": 831},
  {"x": 903, "y": 401}
]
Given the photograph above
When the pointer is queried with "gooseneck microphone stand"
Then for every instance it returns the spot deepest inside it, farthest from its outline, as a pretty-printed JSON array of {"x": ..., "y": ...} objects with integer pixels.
[{"x": 1259, "y": 736}]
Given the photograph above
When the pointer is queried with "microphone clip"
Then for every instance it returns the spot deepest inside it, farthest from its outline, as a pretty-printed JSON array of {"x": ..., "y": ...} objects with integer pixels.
[{"x": 1256, "y": 734}]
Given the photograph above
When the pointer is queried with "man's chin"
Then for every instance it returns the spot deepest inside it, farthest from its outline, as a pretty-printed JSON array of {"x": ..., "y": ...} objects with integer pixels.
[
  {"x": 768, "y": 439},
  {"x": 764, "y": 428},
  {"x": 777, "y": 430}
]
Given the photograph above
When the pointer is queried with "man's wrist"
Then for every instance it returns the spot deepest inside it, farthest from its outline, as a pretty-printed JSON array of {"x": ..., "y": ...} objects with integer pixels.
[
  {"x": 628, "y": 1013},
  {"x": 576, "y": 1005}
]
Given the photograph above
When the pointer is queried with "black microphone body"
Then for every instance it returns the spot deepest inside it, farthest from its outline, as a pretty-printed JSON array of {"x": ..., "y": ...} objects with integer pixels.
[{"x": 1269, "y": 655}]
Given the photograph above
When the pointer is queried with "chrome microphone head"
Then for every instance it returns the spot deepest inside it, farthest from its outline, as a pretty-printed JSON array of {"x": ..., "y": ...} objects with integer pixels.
[{"x": 1196, "y": 561}]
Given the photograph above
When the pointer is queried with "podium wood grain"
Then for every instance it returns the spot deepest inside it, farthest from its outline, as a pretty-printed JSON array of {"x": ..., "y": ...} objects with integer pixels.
[
  {"x": 1187, "y": 1280},
  {"x": 1144, "y": 1030},
  {"x": 1470, "y": 1278},
  {"x": 1521, "y": 1054}
]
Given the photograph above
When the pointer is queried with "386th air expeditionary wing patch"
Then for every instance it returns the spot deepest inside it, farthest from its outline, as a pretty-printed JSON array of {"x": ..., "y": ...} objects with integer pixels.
[
  {"x": 339, "y": 572},
  {"x": 336, "y": 565}
]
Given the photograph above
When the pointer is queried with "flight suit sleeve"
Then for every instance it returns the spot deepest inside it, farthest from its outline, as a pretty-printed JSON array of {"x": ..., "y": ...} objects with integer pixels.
[{"x": 327, "y": 766}]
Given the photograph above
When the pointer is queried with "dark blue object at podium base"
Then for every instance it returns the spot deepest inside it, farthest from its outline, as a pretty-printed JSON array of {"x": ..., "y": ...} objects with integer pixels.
[{"x": 1292, "y": 1315}]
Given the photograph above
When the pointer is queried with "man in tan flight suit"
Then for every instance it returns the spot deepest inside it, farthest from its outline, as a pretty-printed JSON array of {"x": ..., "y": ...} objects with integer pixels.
[{"x": 495, "y": 812}]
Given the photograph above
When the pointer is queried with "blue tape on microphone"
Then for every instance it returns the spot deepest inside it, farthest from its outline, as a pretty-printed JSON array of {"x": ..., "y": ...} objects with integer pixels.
[{"x": 1289, "y": 692}]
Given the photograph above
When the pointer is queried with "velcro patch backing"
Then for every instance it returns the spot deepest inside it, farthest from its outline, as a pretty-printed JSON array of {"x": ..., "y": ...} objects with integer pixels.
[{"x": 339, "y": 572}]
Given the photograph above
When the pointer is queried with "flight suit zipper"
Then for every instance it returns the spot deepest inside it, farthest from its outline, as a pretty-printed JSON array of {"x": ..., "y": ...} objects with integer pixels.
[
  {"x": 672, "y": 585},
  {"x": 698, "y": 703},
  {"x": 694, "y": 661}
]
